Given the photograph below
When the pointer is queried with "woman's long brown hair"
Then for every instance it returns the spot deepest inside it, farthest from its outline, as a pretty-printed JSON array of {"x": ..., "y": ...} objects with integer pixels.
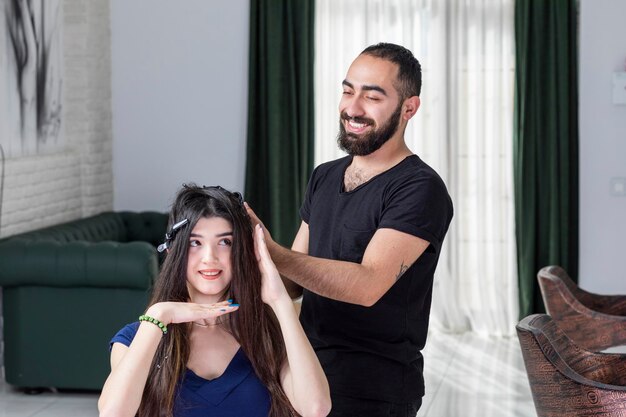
[{"x": 253, "y": 325}]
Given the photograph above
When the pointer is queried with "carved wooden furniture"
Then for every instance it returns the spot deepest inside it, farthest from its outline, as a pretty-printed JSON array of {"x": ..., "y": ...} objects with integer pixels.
[
  {"x": 566, "y": 380},
  {"x": 593, "y": 321}
]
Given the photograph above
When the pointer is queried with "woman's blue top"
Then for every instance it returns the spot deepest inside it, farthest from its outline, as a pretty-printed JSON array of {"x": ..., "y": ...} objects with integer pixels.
[{"x": 238, "y": 392}]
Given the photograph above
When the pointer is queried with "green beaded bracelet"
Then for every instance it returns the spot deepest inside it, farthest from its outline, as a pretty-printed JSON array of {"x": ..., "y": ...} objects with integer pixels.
[{"x": 162, "y": 326}]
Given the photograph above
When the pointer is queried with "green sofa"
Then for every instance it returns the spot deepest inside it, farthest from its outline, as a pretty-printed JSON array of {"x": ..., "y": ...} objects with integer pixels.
[{"x": 67, "y": 289}]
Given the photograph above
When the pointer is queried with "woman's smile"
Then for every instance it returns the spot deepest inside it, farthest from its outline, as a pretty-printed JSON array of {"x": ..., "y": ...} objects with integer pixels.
[{"x": 211, "y": 274}]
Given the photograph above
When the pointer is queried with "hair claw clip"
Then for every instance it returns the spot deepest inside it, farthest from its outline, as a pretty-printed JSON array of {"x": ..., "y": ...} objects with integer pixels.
[{"x": 169, "y": 236}]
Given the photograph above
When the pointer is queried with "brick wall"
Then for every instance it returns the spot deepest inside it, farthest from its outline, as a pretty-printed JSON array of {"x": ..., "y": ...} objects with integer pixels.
[{"x": 76, "y": 181}]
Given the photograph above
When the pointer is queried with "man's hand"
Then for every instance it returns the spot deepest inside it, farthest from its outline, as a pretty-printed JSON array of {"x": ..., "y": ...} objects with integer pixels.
[
  {"x": 272, "y": 288},
  {"x": 254, "y": 219},
  {"x": 293, "y": 289}
]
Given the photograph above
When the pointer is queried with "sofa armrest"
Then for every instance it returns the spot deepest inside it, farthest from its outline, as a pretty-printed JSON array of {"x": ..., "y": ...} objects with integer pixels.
[{"x": 103, "y": 264}]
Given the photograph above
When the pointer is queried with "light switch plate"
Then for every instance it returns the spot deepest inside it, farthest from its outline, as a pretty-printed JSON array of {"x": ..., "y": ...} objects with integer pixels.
[
  {"x": 619, "y": 87},
  {"x": 618, "y": 186}
]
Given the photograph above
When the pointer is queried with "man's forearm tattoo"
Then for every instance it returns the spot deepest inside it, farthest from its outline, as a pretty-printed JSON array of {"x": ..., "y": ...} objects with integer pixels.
[{"x": 403, "y": 269}]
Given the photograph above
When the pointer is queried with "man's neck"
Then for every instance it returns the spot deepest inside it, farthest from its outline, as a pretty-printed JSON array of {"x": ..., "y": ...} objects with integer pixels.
[
  {"x": 364, "y": 168},
  {"x": 387, "y": 156}
]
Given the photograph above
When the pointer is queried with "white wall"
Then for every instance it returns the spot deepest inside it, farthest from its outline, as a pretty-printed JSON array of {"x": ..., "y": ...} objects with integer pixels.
[
  {"x": 602, "y": 147},
  {"x": 180, "y": 81},
  {"x": 76, "y": 180}
]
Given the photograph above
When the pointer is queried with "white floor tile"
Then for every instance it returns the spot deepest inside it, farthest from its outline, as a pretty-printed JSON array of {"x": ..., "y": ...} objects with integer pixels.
[
  {"x": 15, "y": 403},
  {"x": 71, "y": 409},
  {"x": 12, "y": 408}
]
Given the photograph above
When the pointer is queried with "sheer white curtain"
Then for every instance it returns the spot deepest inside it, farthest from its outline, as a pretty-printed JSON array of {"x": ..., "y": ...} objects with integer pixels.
[{"x": 463, "y": 130}]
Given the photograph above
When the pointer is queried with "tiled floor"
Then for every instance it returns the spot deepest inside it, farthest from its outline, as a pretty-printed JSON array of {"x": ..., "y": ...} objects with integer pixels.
[
  {"x": 466, "y": 375},
  {"x": 472, "y": 376},
  {"x": 47, "y": 404}
]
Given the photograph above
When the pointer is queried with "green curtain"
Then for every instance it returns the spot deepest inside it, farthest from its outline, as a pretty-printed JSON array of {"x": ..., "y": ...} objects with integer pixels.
[
  {"x": 545, "y": 142},
  {"x": 280, "y": 112}
]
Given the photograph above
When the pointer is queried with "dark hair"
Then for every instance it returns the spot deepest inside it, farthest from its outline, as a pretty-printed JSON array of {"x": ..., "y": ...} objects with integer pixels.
[
  {"x": 254, "y": 325},
  {"x": 409, "y": 81}
]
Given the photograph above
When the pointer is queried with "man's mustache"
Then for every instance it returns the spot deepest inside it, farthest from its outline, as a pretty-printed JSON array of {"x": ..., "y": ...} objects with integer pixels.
[{"x": 357, "y": 119}]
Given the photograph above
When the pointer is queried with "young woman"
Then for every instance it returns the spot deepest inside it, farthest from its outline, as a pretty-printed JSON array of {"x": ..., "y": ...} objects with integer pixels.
[{"x": 195, "y": 352}]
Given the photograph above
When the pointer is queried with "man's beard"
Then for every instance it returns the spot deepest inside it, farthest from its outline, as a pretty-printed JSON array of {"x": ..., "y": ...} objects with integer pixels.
[{"x": 361, "y": 145}]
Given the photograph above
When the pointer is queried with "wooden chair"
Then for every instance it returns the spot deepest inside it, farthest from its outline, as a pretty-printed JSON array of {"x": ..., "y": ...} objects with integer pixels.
[
  {"x": 566, "y": 380},
  {"x": 593, "y": 321}
]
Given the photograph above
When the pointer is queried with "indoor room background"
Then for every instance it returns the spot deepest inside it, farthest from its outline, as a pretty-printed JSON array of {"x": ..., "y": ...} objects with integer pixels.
[{"x": 155, "y": 94}]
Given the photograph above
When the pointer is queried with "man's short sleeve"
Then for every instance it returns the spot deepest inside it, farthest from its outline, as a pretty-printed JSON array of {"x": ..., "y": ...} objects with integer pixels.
[
  {"x": 419, "y": 206},
  {"x": 305, "y": 209}
]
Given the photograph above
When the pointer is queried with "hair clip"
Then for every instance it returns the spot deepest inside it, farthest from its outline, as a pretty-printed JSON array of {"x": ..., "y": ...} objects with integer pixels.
[
  {"x": 239, "y": 197},
  {"x": 169, "y": 236},
  {"x": 235, "y": 194}
]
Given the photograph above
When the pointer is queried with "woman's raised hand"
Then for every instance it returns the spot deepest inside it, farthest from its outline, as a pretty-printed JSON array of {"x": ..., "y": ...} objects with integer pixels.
[
  {"x": 179, "y": 312},
  {"x": 272, "y": 287}
]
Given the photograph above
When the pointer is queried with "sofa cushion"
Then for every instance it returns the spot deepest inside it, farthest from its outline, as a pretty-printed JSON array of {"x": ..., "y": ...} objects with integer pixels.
[
  {"x": 130, "y": 265},
  {"x": 111, "y": 249}
]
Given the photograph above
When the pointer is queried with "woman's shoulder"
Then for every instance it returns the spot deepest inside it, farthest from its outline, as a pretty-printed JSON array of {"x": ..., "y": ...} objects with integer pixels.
[{"x": 125, "y": 335}]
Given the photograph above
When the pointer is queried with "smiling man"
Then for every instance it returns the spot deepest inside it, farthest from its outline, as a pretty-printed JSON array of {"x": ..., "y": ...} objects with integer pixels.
[{"x": 372, "y": 227}]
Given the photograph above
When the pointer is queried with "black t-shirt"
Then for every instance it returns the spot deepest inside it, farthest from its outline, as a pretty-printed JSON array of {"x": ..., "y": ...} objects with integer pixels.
[{"x": 374, "y": 352}]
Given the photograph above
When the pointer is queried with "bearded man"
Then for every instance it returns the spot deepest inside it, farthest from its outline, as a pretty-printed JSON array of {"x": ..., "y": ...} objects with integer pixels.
[{"x": 373, "y": 223}]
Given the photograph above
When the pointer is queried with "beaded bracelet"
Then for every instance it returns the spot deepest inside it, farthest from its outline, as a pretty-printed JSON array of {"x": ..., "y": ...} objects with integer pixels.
[{"x": 162, "y": 326}]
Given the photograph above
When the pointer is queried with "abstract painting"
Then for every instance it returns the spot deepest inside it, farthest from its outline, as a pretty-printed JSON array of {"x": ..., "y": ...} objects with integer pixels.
[{"x": 31, "y": 76}]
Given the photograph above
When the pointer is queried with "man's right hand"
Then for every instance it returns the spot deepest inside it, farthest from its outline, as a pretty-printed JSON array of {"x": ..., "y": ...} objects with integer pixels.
[{"x": 294, "y": 290}]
